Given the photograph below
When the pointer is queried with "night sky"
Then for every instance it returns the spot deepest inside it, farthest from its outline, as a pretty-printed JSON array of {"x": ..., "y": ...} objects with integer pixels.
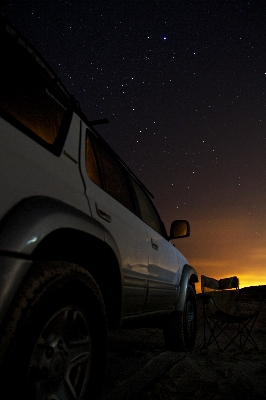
[{"x": 183, "y": 84}]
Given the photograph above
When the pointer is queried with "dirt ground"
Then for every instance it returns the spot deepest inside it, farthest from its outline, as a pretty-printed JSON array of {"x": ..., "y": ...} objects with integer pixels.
[{"x": 139, "y": 367}]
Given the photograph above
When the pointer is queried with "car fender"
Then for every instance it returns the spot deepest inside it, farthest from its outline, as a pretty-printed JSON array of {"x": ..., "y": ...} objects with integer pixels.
[
  {"x": 189, "y": 275},
  {"x": 25, "y": 226},
  {"x": 32, "y": 219}
]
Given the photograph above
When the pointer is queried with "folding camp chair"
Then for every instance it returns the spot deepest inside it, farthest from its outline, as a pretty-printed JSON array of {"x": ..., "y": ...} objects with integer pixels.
[{"x": 227, "y": 323}]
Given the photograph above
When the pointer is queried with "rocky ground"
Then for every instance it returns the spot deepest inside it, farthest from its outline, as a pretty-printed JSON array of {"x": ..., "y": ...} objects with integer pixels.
[{"x": 139, "y": 367}]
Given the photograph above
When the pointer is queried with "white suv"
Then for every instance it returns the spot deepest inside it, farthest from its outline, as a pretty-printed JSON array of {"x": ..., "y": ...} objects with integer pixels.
[{"x": 82, "y": 247}]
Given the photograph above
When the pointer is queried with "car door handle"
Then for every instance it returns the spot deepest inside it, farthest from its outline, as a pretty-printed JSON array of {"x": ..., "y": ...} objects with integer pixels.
[
  {"x": 154, "y": 244},
  {"x": 103, "y": 214}
]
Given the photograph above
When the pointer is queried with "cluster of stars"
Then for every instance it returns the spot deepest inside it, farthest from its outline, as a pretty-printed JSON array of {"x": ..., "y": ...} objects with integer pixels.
[{"x": 154, "y": 78}]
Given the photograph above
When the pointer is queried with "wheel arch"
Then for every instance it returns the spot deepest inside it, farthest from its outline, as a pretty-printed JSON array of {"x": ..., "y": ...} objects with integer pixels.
[
  {"x": 93, "y": 255},
  {"x": 189, "y": 276},
  {"x": 44, "y": 229}
]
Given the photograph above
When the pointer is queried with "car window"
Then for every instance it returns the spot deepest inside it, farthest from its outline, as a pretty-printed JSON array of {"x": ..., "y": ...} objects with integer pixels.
[
  {"x": 27, "y": 96},
  {"x": 91, "y": 164},
  {"x": 106, "y": 171},
  {"x": 147, "y": 209}
]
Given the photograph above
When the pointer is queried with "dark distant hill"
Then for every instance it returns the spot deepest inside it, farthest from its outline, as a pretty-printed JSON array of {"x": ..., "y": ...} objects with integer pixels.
[
  {"x": 254, "y": 289},
  {"x": 250, "y": 292},
  {"x": 254, "y": 292}
]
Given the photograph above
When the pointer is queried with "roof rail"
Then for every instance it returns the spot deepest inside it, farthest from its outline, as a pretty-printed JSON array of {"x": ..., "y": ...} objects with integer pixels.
[{"x": 99, "y": 121}]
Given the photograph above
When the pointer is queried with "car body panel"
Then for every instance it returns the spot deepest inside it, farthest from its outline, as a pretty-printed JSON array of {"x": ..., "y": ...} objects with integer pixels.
[
  {"x": 34, "y": 171},
  {"x": 164, "y": 272}
]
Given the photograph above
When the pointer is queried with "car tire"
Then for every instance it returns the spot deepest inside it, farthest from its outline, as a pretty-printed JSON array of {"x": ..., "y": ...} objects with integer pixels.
[
  {"x": 180, "y": 328},
  {"x": 55, "y": 339}
]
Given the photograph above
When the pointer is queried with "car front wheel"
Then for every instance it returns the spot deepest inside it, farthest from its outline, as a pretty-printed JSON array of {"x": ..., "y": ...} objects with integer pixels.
[{"x": 180, "y": 328}]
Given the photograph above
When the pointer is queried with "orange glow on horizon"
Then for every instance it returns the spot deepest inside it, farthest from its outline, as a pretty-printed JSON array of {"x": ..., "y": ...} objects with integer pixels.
[
  {"x": 244, "y": 281},
  {"x": 247, "y": 275},
  {"x": 221, "y": 247}
]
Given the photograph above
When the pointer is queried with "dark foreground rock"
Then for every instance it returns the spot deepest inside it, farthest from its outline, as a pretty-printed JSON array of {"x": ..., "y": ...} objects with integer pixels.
[{"x": 139, "y": 367}]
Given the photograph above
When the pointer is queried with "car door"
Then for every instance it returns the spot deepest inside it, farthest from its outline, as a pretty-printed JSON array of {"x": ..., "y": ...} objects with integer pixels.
[
  {"x": 111, "y": 203},
  {"x": 164, "y": 272},
  {"x": 163, "y": 265}
]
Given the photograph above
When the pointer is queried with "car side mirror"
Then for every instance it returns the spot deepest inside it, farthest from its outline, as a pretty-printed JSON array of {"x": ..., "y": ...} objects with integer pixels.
[{"x": 179, "y": 229}]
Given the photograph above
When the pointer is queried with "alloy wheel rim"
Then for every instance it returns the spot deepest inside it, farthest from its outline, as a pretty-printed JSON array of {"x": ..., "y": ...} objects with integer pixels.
[
  {"x": 61, "y": 359},
  {"x": 190, "y": 318}
]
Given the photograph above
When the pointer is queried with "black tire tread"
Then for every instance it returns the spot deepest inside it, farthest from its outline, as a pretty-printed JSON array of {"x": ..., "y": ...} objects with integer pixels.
[
  {"x": 41, "y": 278},
  {"x": 174, "y": 329}
]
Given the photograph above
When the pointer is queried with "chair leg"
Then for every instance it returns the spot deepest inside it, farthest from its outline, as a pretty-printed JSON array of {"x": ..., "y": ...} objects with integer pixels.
[
  {"x": 243, "y": 331},
  {"x": 246, "y": 331},
  {"x": 213, "y": 326}
]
